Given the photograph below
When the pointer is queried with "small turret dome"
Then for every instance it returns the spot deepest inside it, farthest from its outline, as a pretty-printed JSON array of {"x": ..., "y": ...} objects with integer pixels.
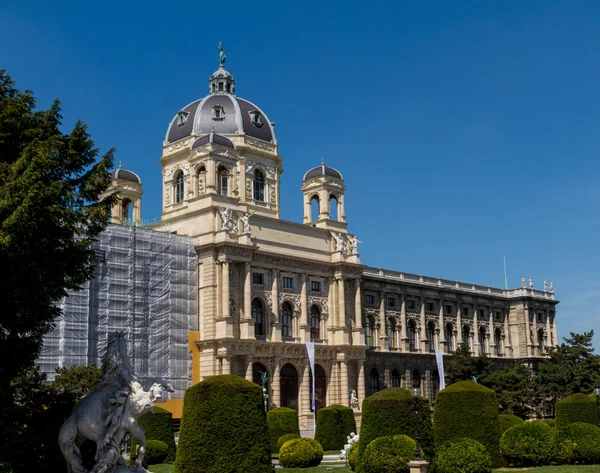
[
  {"x": 323, "y": 170},
  {"x": 125, "y": 175}
]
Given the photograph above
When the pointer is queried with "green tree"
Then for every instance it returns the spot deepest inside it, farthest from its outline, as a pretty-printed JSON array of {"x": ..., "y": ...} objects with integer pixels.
[
  {"x": 570, "y": 368},
  {"x": 77, "y": 380},
  {"x": 463, "y": 366},
  {"x": 515, "y": 389},
  {"x": 50, "y": 213}
]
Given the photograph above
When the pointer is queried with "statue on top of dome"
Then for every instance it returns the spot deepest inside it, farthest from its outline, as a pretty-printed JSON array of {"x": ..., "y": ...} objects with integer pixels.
[{"x": 222, "y": 57}]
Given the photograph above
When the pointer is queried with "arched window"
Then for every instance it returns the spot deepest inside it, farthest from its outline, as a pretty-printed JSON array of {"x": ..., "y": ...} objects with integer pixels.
[
  {"x": 482, "y": 347},
  {"x": 315, "y": 321},
  {"x": 258, "y": 314},
  {"x": 540, "y": 340},
  {"x": 288, "y": 385},
  {"x": 222, "y": 180},
  {"x": 333, "y": 207},
  {"x": 178, "y": 187},
  {"x": 373, "y": 381},
  {"x": 259, "y": 185},
  {"x": 390, "y": 330},
  {"x": 315, "y": 209},
  {"x": 416, "y": 379},
  {"x": 320, "y": 386},
  {"x": 466, "y": 333},
  {"x": 201, "y": 180},
  {"x": 368, "y": 331},
  {"x": 411, "y": 330},
  {"x": 127, "y": 211},
  {"x": 498, "y": 341},
  {"x": 430, "y": 335},
  {"x": 435, "y": 383},
  {"x": 395, "y": 379},
  {"x": 449, "y": 336},
  {"x": 286, "y": 320}
]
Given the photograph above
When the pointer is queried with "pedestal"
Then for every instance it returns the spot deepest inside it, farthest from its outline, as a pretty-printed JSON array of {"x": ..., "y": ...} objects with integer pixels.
[{"x": 418, "y": 466}]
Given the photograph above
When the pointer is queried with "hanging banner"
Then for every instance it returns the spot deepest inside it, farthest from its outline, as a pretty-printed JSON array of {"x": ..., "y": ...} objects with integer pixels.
[
  {"x": 310, "y": 347},
  {"x": 439, "y": 357}
]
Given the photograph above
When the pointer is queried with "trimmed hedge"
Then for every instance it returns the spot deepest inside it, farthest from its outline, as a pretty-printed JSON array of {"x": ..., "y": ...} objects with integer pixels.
[
  {"x": 334, "y": 424},
  {"x": 392, "y": 412},
  {"x": 507, "y": 421},
  {"x": 468, "y": 410},
  {"x": 300, "y": 453},
  {"x": 285, "y": 438},
  {"x": 462, "y": 456},
  {"x": 156, "y": 452},
  {"x": 281, "y": 421},
  {"x": 224, "y": 428},
  {"x": 576, "y": 408},
  {"x": 586, "y": 442},
  {"x": 353, "y": 455},
  {"x": 389, "y": 454},
  {"x": 158, "y": 425},
  {"x": 528, "y": 444}
]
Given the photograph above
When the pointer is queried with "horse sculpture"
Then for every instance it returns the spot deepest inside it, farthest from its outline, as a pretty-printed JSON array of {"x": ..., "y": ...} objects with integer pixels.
[{"x": 110, "y": 412}]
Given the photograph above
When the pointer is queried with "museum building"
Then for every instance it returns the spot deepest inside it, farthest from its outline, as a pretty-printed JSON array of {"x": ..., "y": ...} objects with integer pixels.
[{"x": 221, "y": 284}]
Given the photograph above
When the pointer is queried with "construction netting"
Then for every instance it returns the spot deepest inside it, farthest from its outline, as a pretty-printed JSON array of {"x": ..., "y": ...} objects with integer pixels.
[{"x": 145, "y": 285}]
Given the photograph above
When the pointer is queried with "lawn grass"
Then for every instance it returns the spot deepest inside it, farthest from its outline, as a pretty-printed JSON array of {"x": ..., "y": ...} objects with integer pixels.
[
  {"x": 162, "y": 468},
  {"x": 553, "y": 469},
  {"x": 323, "y": 468}
]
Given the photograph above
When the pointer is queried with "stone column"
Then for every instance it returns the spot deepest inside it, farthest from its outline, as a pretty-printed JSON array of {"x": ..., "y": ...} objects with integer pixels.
[
  {"x": 528, "y": 340},
  {"x": 536, "y": 348},
  {"x": 276, "y": 384},
  {"x": 507, "y": 348},
  {"x": 547, "y": 329},
  {"x": 422, "y": 340},
  {"x": 247, "y": 291},
  {"x": 210, "y": 176},
  {"x": 403, "y": 337},
  {"x": 242, "y": 189},
  {"x": 249, "y": 368},
  {"x": 459, "y": 338},
  {"x": 554, "y": 332},
  {"x": 304, "y": 390},
  {"x": 304, "y": 326},
  {"x": 357, "y": 304},
  {"x": 345, "y": 401},
  {"x": 383, "y": 342},
  {"x": 225, "y": 293},
  {"x": 276, "y": 325},
  {"x": 491, "y": 335},
  {"x": 441, "y": 327},
  {"x": 475, "y": 330},
  {"x": 341, "y": 317},
  {"x": 226, "y": 363},
  {"x": 361, "y": 388}
]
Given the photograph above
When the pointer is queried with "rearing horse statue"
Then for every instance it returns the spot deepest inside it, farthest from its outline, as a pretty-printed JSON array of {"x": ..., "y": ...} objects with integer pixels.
[{"x": 110, "y": 412}]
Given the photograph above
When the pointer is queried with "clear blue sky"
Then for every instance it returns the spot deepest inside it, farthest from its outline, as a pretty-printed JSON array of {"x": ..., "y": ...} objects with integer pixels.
[{"x": 465, "y": 130}]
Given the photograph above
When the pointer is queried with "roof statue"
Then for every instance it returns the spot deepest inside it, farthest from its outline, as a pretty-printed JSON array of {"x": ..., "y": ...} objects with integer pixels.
[
  {"x": 109, "y": 413},
  {"x": 222, "y": 57}
]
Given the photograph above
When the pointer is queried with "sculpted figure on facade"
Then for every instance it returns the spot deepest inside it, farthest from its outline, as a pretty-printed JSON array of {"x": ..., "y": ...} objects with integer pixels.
[
  {"x": 551, "y": 287},
  {"x": 227, "y": 221},
  {"x": 109, "y": 413},
  {"x": 545, "y": 286},
  {"x": 523, "y": 286},
  {"x": 340, "y": 243},
  {"x": 353, "y": 240},
  {"x": 245, "y": 218},
  {"x": 531, "y": 283}
]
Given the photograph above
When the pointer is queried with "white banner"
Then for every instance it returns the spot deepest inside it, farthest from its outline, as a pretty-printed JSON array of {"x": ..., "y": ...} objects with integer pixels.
[
  {"x": 439, "y": 357},
  {"x": 310, "y": 347}
]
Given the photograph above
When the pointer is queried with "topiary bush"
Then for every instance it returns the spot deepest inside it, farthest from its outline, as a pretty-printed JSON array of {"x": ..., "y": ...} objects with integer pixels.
[
  {"x": 462, "y": 456},
  {"x": 285, "y": 438},
  {"x": 576, "y": 408},
  {"x": 586, "y": 442},
  {"x": 389, "y": 454},
  {"x": 528, "y": 444},
  {"x": 507, "y": 421},
  {"x": 392, "y": 412},
  {"x": 353, "y": 455},
  {"x": 468, "y": 410},
  {"x": 158, "y": 425},
  {"x": 281, "y": 421},
  {"x": 224, "y": 428},
  {"x": 334, "y": 424},
  {"x": 300, "y": 453},
  {"x": 156, "y": 452}
]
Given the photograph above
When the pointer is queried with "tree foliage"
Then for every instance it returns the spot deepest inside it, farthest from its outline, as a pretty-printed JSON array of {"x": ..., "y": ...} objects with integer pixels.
[
  {"x": 50, "y": 213},
  {"x": 463, "y": 366},
  {"x": 515, "y": 389}
]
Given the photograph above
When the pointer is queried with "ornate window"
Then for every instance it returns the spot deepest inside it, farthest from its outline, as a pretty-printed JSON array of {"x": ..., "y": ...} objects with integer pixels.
[
  {"x": 182, "y": 117},
  {"x": 416, "y": 379},
  {"x": 390, "y": 328},
  {"x": 430, "y": 335},
  {"x": 255, "y": 118},
  {"x": 178, "y": 187},
  {"x": 223, "y": 180},
  {"x": 466, "y": 334},
  {"x": 315, "y": 286},
  {"x": 395, "y": 379},
  {"x": 482, "y": 340},
  {"x": 373, "y": 381},
  {"x": 315, "y": 321},
  {"x": 411, "y": 330},
  {"x": 368, "y": 331},
  {"x": 449, "y": 336},
  {"x": 286, "y": 320},
  {"x": 259, "y": 185},
  {"x": 498, "y": 341},
  {"x": 218, "y": 112},
  {"x": 540, "y": 340},
  {"x": 258, "y": 314}
]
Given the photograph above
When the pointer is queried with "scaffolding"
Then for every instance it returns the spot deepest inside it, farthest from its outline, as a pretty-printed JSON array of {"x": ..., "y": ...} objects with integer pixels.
[{"x": 145, "y": 285}]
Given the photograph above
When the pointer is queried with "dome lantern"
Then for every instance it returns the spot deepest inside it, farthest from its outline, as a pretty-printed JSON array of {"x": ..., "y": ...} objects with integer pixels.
[{"x": 221, "y": 82}]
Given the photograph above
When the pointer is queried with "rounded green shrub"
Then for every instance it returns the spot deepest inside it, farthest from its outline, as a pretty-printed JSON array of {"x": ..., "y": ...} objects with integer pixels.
[
  {"x": 334, "y": 424},
  {"x": 468, "y": 410},
  {"x": 300, "y": 453},
  {"x": 392, "y": 412},
  {"x": 353, "y": 455},
  {"x": 281, "y": 421},
  {"x": 389, "y": 454},
  {"x": 285, "y": 438},
  {"x": 223, "y": 428},
  {"x": 586, "y": 442},
  {"x": 462, "y": 456},
  {"x": 507, "y": 421},
  {"x": 158, "y": 425},
  {"x": 156, "y": 452},
  {"x": 528, "y": 444},
  {"x": 576, "y": 408}
]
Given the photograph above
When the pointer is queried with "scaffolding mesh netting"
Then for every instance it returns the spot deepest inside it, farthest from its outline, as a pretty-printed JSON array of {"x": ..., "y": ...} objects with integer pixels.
[{"x": 145, "y": 285}]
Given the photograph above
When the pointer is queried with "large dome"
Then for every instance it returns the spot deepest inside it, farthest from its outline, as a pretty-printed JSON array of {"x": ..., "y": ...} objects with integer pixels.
[{"x": 220, "y": 112}]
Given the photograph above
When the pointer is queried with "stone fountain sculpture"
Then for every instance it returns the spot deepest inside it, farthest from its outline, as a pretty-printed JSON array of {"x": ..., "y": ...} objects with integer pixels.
[{"x": 110, "y": 412}]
